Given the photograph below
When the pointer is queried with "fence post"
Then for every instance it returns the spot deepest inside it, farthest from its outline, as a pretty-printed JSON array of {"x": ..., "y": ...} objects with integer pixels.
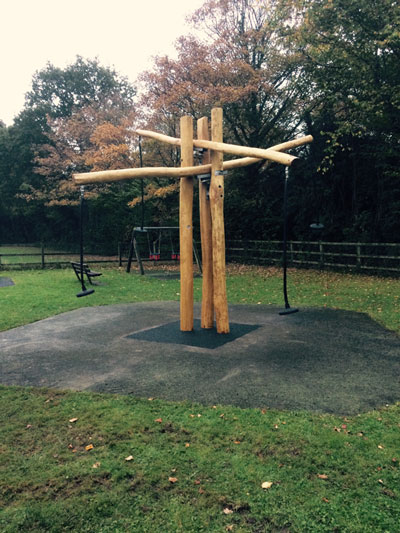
[
  {"x": 119, "y": 255},
  {"x": 42, "y": 251},
  {"x": 358, "y": 247},
  {"x": 321, "y": 254}
]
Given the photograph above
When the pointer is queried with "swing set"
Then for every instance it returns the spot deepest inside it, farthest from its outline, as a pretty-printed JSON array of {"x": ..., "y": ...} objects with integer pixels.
[
  {"x": 154, "y": 236},
  {"x": 210, "y": 173}
]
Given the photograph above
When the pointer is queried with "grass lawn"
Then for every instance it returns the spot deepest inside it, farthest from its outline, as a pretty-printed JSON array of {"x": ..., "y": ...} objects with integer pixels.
[
  {"x": 100, "y": 463},
  {"x": 31, "y": 254}
]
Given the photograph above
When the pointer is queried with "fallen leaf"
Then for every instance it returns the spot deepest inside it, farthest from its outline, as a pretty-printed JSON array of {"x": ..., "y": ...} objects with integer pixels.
[
  {"x": 229, "y": 528},
  {"x": 266, "y": 485},
  {"x": 70, "y": 446},
  {"x": 129, "y": 458},
  {"x": 263, "y": 411},
  {"x": 187, "y": 445},
  {"x": 380, "y": 481},
  {"x": 325, "y": 500},
  {"x": 276, "y": 426},
  {"x": 227, "y": 510},
  {"x": 96, "y": 465},
  {"x": 201, "y": 491},
  {"x": 159, "y": 420},
  {"x": 89, "y": 447},
  {"x": 28, "y": 426},
  {"x": 389, "y": 493},
  {"x": 172, "y": 479},
  {"x": 150, "y": 399},
  {"x": 322, "y": 476},
  {"x": 197, "y": 481},
  {"x": 72, "y": 420},
  {"x": 237, "y": 442},
  {"x": 380, "y": 446}
]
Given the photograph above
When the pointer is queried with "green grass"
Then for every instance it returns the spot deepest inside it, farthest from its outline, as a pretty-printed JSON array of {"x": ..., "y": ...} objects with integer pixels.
[
  {"x": 39, "y": 294},
  {"x": 328, "y": 473},
  {"x": 30, "y": 254}
]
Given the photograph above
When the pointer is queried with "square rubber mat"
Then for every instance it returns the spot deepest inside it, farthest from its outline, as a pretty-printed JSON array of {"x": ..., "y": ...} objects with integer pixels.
[{"x": 199, "y": 338}]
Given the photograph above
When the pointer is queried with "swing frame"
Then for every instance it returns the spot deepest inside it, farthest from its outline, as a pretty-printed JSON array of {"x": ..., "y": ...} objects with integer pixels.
[
  {"x": 211, "y": 197},
  {"x": 134, "y": 248}
]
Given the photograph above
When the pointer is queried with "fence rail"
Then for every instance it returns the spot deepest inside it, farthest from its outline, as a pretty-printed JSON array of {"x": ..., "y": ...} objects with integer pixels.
[
  {"x": 372, "y": 257},
  {"x": 378, "y": 257}
]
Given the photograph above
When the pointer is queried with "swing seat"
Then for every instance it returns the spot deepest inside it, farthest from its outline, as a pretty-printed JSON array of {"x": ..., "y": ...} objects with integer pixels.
[{"x": 86, "y": 271}]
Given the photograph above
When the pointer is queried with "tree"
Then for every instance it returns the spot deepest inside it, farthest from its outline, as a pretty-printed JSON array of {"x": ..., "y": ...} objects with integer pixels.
[
  {"x": 52, "y": 137},
  {"x": 59, "y": 92},
  {"x": 242, "y": 67},
  {"x": 351, "y": 59}
]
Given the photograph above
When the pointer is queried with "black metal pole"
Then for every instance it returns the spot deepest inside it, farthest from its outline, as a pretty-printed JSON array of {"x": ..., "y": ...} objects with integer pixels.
[
  {"x": 288, "y": 310},
  {"x": 142, "y": 184},
  {"x": 84, "y": 291}
]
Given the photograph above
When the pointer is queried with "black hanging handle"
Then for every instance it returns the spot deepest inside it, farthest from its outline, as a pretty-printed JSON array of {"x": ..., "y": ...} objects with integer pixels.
[
  {"x": 84, "y": 291},
  {"x": 288, "y": 310}
]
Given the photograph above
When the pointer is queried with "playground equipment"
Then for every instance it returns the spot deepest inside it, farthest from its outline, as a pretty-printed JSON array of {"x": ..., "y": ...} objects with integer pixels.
[
  {"x": 84, "y": 291},
  {"x": 154, "y": 236},
  {"x": 288, "y": 310},
  {"x": 211, "y": 175}
]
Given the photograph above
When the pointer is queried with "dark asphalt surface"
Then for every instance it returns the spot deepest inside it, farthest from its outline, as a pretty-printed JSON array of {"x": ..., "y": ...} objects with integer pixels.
[{"x": 322, "y": 360}]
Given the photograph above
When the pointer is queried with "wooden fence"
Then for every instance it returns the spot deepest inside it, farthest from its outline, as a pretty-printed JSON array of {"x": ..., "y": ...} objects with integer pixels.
[
  {"x": 367, "y": 257},
  {"x": 372, "y": 257}
]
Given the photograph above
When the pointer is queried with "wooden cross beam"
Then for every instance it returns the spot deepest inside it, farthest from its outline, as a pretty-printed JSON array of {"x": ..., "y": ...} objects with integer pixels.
[
  {"x": 100, "y": 176},
  {"x": 214, "y": 299}
]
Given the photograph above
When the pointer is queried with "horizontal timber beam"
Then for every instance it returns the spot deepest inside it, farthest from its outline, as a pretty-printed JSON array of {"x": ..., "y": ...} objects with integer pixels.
[
  {"x": 260, "y": 153},
  {"x": 176, "y": 172}
]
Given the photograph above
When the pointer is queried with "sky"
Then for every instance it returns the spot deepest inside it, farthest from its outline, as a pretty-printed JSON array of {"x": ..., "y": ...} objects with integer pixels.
[{"x": 124, "y": 34}]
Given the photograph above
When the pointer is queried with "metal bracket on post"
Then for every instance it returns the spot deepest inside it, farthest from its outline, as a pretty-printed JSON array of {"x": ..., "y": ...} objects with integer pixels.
[
  {"x": 198, "y": 152},
  {"x": 206, "y": 180},
  {"x": 221, "y": 172}
]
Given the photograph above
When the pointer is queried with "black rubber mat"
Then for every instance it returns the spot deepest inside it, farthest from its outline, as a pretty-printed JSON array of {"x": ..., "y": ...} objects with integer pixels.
[{"x": 201, "y": 338}]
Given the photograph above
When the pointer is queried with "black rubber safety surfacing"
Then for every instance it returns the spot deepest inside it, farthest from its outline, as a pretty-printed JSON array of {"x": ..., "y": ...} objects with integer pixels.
[{"x": 199, "y": 337}]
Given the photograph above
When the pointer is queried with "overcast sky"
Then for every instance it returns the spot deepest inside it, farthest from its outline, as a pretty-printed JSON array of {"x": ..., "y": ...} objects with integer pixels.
[{"x": 124, "y": 34}]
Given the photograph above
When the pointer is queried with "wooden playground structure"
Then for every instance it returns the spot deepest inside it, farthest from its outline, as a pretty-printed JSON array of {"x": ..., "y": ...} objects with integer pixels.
[{"x": 211, "y": 198}]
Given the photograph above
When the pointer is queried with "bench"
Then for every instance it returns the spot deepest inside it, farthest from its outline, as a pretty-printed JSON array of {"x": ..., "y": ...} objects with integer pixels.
[{"x": 86, "y": 271}]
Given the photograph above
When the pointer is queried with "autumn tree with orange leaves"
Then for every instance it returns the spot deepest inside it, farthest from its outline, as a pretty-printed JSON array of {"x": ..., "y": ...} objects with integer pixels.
[
  {"x": 90, "y": 139},
  {"x": 237, "y": 63}
]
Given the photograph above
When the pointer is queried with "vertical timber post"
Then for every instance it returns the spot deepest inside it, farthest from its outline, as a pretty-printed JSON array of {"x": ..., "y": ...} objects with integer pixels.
[
  {"x": 207, "y": 299},
  {"x": 218, "y": 230},
  {"x": 186, "y": 226}
]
